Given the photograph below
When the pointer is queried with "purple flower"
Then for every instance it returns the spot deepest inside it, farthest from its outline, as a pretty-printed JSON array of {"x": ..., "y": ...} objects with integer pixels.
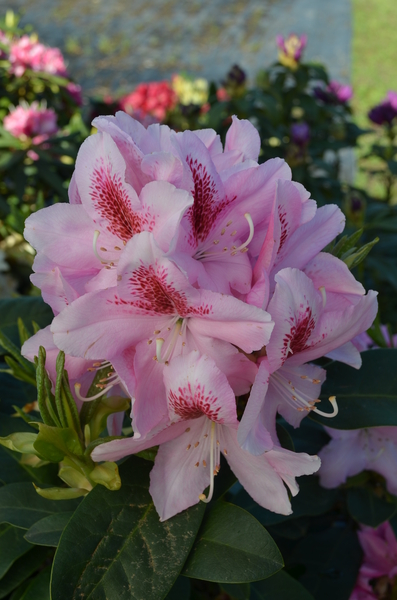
[
  {"x": 300, "y": 133},
  {"x": 291, "y": 49},
  {"x": 386, "y": 111},
  {"x": 335, "y": 93}
]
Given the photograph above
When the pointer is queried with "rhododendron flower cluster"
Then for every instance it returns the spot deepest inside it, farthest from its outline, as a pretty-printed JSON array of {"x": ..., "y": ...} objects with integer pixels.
[
  {"x": 334, "y": 93},
  {"x": 196, "y": 276},
  {"x": 152, "y": 99},
  {"x": 290, "y": 49},
  {"x": 28, "y": 53},
  {"x": 34, "y": 121},
  {"x": 377, "y": 576}
]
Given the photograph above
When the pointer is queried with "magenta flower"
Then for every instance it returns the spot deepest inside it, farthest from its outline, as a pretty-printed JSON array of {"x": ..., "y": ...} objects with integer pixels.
[
  {"x": 153, "y": 315},
  {"x": 31, "y": 121},
  {"x": 334, "y": 93},
  {"x": 202, "y": 410},
  {"x": 385, "y": 112},
  {"x": 352, "y": 451},
  {"x": 154, "y": 99},
  {"x": 290, "y": 49},
  {"x": 377, "y": 575}
]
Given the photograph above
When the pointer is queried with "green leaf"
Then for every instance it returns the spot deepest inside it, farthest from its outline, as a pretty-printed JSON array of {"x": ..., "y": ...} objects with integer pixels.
[
  {"x": 331, "y": 559},
  {"x": 180, "y": 590},
  {"x": 47, "y": 531},
  {"x": 19, "y": 442},
  {"x": 369, "y": 509},
  {"x": 53, "y": 443},
  {"x": 21, "y": 569},
  {"x": 36, "y": 588},
  {"x": 120, "y": 548},
  {"x": 280, "y": 586},
  {"x": 29, "y": 308},
  {"x": 232, "y": 547},
  {"x": 12, "y": 546},
  {"x": 21, "y": 506},
  {"x": 366, "y": 397}
]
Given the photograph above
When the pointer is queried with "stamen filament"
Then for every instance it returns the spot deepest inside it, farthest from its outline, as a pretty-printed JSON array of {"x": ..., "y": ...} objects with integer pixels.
[
  {"x": 159, "y": 345},
  {"x": 77, "y": 387},
  {"x": 332, "y": 399},
  {"x": 212, "y": 456},
  {"x": 251, "y": 233}
]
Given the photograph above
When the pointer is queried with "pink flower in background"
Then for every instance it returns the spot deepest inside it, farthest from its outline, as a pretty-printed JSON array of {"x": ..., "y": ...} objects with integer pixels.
[
  {"x": 202, "y": 410},
  {"x": 385, "y": 112},
  {"x": 75, "y": 92},
  {"x": 150, "y": 99},
  {"x": 291, "y": 49},
  {"x": 334, "y": 93},
  {"x": 31, "y": 121},
  {"x": 377, "y": 575},
  {"x": 27, "y": 53},
  {"x": 351, "y": 451}
]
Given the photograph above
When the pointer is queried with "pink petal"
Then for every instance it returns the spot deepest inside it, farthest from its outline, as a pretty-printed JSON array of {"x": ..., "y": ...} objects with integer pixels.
[{"x": 243, "y": 136}]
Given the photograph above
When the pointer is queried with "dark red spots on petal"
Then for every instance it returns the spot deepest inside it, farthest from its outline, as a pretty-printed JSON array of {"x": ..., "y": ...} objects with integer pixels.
[
  {"x": 208, "y": 202},
  {"x": 190, "y": 402},
  {"x": 111, "y": 201},
  {"x": 152, "y": 293},
  {"x": 301, "y": 329},
  {"x": 284, "y": 227}
]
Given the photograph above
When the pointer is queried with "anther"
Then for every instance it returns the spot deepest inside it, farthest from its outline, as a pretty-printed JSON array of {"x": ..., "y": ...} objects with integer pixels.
[
  {"x": 117, "y": 248},
  {"x": 196, "y": 444},
  {"x": 159, "y": 344},
  {"x": 94, "y": 243},
  {"x": 202, "y": 497},
  {"x": 225, "y": 451},
  {"x": 188, "y": 447},
  {"x": 229, "y": 223},
  {"x": 187, "y": 430},
  {"x": 303, "y": 376},
  {"x": 149, "y": 342},
  {"x": 234, "y": 232},
  {"x": 223, "y": 231},
  {"x": 316, "y": 380},
  {"x": 119, "y": 277},
  {"x": 157, "y": 331},
  {"x": 204, "y": 463},
  {"x": 103, "y": 249},
  {"x": 216, "y": 242}
]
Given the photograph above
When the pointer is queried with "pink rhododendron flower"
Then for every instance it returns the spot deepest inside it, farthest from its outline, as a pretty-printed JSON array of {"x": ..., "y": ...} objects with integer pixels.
[
  {"x": 291, "y": 49},
  {"x": 31, "y": 121},
  {"x": 154, "y": 98},
  {"x": 153, "y": 315},
  {"x": 352, "y": 451},
  {"x": 377, "y": 575},
  {"x": 334, "y": 93},
  {"x": 202, "y": 410},
  {"x": 28, "y": 53}
]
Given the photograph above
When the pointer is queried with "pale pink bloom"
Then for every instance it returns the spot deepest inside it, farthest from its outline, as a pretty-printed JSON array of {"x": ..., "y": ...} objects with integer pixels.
[
  {"x": 378, "y": 571},
  {"x": 351, "y": 451},
  {"x": 155, "y": 99},
  {"x": 364, "y": 342},
  {"x": 295, "y": 234},
  {"x": 153, "y": 315},
  {"x": 316, "y": 313},
  {"x": 233, "y": 195},
  {"x": 31, "y": 121},
  {"x": 85, "y": 238},
  {"x": 202, "y": 410},
  {"x": 27, "y": 53}
]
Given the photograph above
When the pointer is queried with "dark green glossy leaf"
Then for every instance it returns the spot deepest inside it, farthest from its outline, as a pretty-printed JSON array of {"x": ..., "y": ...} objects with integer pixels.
[
  {"x": 47, "y": 531},
  {"x": 280, "y": 586},
  {"x": 14, "y": 393},
  {"x": 366, "y": 397},
  {"x": 35, "y": 589},
  {"x": 12, "y": 546},
  {"x": 369, "y": 509},
  {"x": 331, "y": 559},
  {"x": 21, "y": 506},
  {"x": 21, "y": 569},
  {"x": 232, "y": 547},
  {"x": 311, "y": 500},
  {"x": 120, "y": 548},
  {"x": 29, "y": 309}
]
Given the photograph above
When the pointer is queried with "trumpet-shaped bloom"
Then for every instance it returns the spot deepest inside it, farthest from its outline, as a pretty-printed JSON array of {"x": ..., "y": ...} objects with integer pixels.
[
  {"x": 377, "y": 575},
  {"x": 316, "y": 313},
  {"x": 352, "y": 451},
  {"x": 84, "y": 239},
  {"x": 202, "y": 411},
  {"x": 153, "y": 315}
]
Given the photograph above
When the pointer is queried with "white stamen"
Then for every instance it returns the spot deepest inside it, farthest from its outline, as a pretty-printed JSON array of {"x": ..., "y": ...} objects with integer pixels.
[
  {"x": 324, "y": 295},
  {"x": 332, "y": 399},
  {"x": 106, "y": 388},
  {"x": 251, "y": 233},
  {"x": 159, "y": 345},
  {"x": 212, "y": 465}
]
